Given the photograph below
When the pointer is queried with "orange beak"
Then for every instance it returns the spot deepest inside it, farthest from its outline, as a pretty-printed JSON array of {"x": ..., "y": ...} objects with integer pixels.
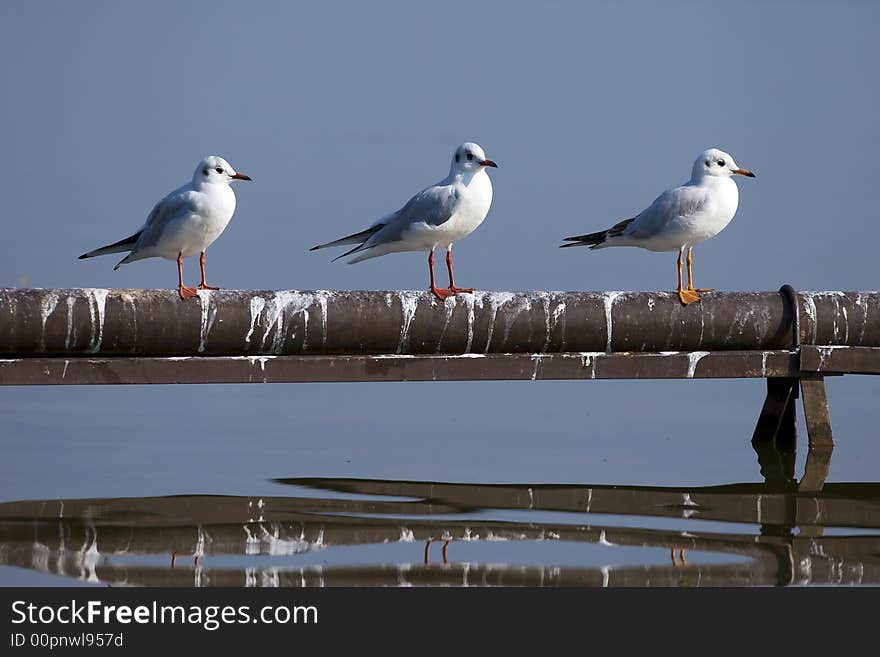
[
  {"x": 488, "y": 163},
  {"x": 744, "y": 172},
  {"x": 240, "y": 176}
]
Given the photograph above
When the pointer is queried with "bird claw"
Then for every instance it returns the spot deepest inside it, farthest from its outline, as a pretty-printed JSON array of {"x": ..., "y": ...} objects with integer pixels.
[
  {"x": 688, "y": 296},
  {"x": 442, "y": 293},
  {"x": 205, "y": 286},
  {"x": 459, "y": 290},
  {"x": 187, "y": 292}
]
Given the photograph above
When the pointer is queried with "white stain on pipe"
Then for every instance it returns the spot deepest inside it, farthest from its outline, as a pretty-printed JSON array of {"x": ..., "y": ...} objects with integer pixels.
[
  {"x": 257, "y": 305},
  {"x": 608, "y": 300},
  {"x": 97, "y": 304},
  {"x": 47, "y": 306},
  {"x": 207, "y": 319},
  {"x": 496, "y": 300},
  {"x": 69, "y": 340},
  {"x": 409, "y": 302}
]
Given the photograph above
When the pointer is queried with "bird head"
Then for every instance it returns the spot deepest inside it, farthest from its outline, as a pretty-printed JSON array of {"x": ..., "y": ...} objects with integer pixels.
[
  {"x": 470, "y": 157},
  {"x": 215, "y": 170},
  {"x": 715, "y": 162}
]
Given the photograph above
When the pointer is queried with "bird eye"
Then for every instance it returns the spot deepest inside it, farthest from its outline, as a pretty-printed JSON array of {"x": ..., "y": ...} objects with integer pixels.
[
  {"x": 721, "y": 163},
  {"x": 470, "y": 156},
  {"x": 219, "y": 169}
]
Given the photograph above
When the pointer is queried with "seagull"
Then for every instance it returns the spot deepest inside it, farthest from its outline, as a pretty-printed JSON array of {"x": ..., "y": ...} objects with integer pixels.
[
  {"x": 185, "y": 222},
  {"x": 680, "y": 217},
  {"x": 437, "y": 216}
]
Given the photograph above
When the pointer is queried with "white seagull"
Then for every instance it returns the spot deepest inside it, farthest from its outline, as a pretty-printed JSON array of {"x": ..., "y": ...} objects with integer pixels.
[
  {"x": 680, "y": 217},
  {"x": 437, "y": 216},
  {"x": 185, "y": 222}
]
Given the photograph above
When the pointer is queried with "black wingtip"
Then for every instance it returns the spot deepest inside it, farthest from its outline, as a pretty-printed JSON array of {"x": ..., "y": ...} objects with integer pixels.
[
  {"x": 84, "y": 255},
  {"x": 314, "y": 248}
]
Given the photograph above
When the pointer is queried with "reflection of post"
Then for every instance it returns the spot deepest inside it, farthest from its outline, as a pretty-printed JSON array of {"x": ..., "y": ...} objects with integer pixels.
[
  {"x": 777, "y": 465},
  {"x": 815, "y": 470},
  {"x": 778, "y": 421},
  {"x": 816, "y": 412}
]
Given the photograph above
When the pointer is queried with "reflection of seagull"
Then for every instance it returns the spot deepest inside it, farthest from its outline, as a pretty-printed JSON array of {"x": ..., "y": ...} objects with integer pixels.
[
  {"x": 437, "y": 216},
  {"x": 443, "y": 552},
  {"x": 185, "y": 222},
  {"x": 680, "y": 217},
  {"x": 195, "y": 559},
  {"x": 682, "y": 560}
]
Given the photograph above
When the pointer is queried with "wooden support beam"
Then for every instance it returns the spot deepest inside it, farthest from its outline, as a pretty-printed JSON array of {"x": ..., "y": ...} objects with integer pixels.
[
  {"x": 777, "y": 422},
  {"x": 815, "y": 471},
  {"x": 816, "y": 412},
  {"x": 777, "y": 465},
  {"x": 79, "y": 370},
  {"x": 840, "y": 359}
]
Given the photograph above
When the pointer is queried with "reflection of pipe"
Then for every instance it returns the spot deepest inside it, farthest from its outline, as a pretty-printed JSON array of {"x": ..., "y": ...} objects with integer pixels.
[
  {"x": 418, "y": 574},
  {"x": 315, "y": 532},
  {"x": 155, "y": 322},
  {"x": 836, "y": 505},
  {"x": 843, "y": 560},
  {"x": 90, "y": 536}
]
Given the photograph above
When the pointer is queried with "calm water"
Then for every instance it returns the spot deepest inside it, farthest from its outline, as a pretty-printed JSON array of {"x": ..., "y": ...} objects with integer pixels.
[{"x": 547, "y": 483}]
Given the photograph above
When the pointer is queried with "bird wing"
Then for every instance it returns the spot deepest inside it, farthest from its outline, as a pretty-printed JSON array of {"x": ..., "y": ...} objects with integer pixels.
[
  {"x": 684, "y": 201},
  {"x": 178, "y": 204},
  {"x": 428, "y": 209},
  {"x": 433, "y": 207}
]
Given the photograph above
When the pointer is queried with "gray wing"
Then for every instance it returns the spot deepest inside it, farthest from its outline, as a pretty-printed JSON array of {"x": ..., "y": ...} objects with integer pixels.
[
  {"x": 684, "y": 201},
  {"x": 433, "y": 207},
  {"x": 176, "y": 205}
]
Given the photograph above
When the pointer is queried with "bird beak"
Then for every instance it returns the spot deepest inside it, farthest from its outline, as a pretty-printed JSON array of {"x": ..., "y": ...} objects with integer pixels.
[
  {"x": 743, "y": 172},
  {"x": 240, "y": 176},
  {"x": 488, "y": 163}
]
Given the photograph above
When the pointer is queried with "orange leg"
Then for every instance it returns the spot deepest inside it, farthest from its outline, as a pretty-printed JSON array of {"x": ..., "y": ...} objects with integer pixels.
[
  {"x": 439, "y": 292},
  {"x": 204, "y": 284},
  {"x": 686, "y": 296},
  {"x": 691, "y": 275},
  {"x": 184, "y": 291},
  {"x": 452, "y": 286}
]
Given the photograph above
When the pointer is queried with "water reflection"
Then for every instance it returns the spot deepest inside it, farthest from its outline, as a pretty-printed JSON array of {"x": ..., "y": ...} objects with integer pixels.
[{"x": 779, "y": 532}]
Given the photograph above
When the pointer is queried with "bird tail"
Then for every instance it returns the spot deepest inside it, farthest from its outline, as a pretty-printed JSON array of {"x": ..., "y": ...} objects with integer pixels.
[
  {"x": 126, "y": 244},
  {"x": 356, "y": 238},
  {"x": 596, "y": 240},
  {"x": 124, "y": 261}
]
